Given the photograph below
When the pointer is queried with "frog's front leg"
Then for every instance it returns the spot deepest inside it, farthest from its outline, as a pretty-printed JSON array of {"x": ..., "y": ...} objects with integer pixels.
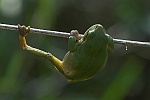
[
  {"x": 24, "y": 31},
  {"x": 73, "y": 41}
]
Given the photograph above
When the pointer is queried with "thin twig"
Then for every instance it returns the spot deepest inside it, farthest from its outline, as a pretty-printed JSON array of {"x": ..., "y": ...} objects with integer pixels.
[{"x": 66, "y": 35}]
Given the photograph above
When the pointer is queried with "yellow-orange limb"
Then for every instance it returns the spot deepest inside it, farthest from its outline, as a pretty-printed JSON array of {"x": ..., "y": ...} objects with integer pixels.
[{"x": 55, "y": 61}]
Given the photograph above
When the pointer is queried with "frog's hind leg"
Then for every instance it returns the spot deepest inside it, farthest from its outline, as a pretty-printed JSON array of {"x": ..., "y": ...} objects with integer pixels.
[{"x": 24, "y": 31}]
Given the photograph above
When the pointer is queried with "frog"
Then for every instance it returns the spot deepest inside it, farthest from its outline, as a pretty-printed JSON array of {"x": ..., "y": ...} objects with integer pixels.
[{"x": 87, "y": 55}]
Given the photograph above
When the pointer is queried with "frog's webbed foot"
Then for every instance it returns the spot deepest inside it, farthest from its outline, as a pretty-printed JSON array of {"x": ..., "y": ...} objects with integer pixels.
[{"x": 23, "y": 32}]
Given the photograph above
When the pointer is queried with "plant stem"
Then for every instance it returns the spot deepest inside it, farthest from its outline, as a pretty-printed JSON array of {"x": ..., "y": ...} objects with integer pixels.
[{"x": 66, "y": 35}]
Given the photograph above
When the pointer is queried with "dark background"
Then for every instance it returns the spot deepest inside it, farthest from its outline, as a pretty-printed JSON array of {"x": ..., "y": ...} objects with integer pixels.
[{"x": 24, "y": 76}]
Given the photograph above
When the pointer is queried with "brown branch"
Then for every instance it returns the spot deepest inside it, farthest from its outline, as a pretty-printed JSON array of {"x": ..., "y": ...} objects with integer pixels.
[{"x": 66, "y": 35}]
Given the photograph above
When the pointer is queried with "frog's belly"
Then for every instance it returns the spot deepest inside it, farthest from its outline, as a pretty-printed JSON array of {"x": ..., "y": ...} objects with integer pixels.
[{"x": 78, "y": 68}]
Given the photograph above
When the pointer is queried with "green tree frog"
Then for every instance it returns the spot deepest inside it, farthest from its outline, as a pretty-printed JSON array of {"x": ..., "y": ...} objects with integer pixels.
[{"x": 87, "y": 55}]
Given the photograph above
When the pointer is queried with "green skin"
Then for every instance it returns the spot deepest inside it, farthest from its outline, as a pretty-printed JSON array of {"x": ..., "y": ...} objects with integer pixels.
[{"x": 86, "y": 56}]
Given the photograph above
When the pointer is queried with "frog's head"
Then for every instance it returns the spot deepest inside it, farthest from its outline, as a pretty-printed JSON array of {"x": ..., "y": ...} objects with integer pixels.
[
  {"x": 94, "y": 30},
  {"x": 96, "y": 36}
]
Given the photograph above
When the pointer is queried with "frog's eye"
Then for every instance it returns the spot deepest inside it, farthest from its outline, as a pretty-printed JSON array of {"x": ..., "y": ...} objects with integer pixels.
[{"x": 95, "y": 27}]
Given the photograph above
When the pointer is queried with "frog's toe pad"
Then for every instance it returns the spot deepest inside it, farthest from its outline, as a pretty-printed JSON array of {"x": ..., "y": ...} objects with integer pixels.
[
  {"x": 76, "y": 34},
  {"x": 23, "y": 30}
]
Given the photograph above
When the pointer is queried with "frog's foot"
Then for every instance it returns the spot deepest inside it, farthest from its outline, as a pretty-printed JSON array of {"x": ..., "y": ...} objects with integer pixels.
[
  {"x": 76, "y": 34},
  {"x": 23, "y": 31}
]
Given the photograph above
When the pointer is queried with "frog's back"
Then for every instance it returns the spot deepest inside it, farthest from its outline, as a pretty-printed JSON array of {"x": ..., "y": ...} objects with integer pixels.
[
  {"x": 81, "y": 67},
  {"x": 85, "y": 62}
]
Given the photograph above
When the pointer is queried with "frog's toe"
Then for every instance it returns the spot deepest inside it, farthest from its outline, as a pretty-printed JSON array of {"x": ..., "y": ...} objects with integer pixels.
[
  {"x": 23, "y": 30},
  {"x": 76, "y": 34}
]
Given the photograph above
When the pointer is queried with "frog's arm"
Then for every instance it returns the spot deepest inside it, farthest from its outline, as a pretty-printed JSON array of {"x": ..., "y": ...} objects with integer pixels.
[
  {"x": 72, "y": 44},
  {"x": 23, "y": 32},
  {"x": 73, "y": 41}
]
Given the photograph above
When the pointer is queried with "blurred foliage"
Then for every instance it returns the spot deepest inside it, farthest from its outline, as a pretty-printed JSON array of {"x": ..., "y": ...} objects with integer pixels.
[{"x": 26, "y": 77}]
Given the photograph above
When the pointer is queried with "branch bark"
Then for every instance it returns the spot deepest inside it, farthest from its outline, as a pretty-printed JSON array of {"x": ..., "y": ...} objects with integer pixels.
[{"x": 66, "y": 35}]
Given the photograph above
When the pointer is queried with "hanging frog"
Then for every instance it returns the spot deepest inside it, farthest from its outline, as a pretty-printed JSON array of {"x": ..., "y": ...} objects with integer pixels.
[{"x": 86, "y": 57}]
